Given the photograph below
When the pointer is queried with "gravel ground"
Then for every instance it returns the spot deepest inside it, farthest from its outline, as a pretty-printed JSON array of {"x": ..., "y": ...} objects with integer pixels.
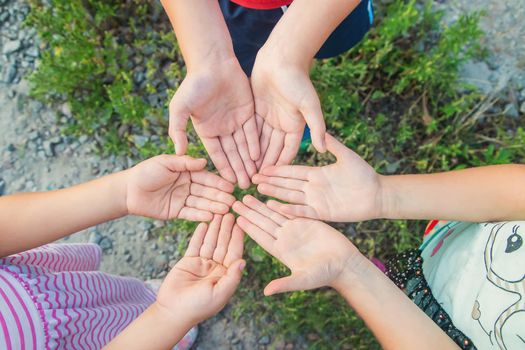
[{"x": 35, "y": 157}]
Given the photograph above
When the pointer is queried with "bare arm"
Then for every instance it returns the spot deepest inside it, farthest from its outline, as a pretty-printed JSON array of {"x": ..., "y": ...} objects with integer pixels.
[
  {"x": 304, "y": 28},
  {"x": 490, "y": 193},
  {"x": 200, "y": 29},
  {"x": 394, "y": 319},
  {"x": 29, "y": 220}
]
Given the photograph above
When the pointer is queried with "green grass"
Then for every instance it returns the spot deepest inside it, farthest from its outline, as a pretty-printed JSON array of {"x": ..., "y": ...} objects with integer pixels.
[{"x": 395, "y": 99}]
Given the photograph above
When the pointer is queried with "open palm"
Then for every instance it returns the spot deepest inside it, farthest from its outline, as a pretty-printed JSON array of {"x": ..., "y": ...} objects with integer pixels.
[
  {"x": 315, "y": 252},
  {"x": 221, "y": 107},
  {"x": 285, "y": 100},
  {"x": 348, "y": 190},
  {"x": 169, "y": 186},
  {"x": 203, "y": 281}
]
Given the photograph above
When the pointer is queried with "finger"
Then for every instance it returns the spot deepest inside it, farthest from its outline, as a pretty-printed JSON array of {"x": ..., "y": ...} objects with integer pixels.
[
  {"x": 264, "y": 239},
  {"x": 242, "y": 147},
  {"x": 194, "y": 247},
  {"x": 179, "y": 116},
  {"x": 224, "y": 238},
  {"x": 206, "y": 205},
  {"x": 290, "y": 210},
  {"x": 181, "y": 163},
  {"x": 235, "y": 247},
  {"x": 313, "y": 115},
  {"x": 208, "y": 179},
  {"x": 253, "y": 203},
  {"x": 227, "y": 284},
  {"x": 212, "y": 194},
  {"x": 292, "y": 142},
  {"x": 193, "y": 214},
  {"x": 292, "y": 196},
  {"x": 252, "y": 138},
  {"x": 263, "y": 222},
  {"x": 232, "y": 153},
  {"x": 274, "y": 149},
  {"x": 288, "y": 284},
  {"x": 210, "y": 241},
  {"x": 286, "y": 183},
  {"x": 266, "y": 135},
  {"x": 219, "y": 159},
  {"x": 335, "y": 147},
  {"x": 299, "y": 172},
  {"x": 260, "y": 122}
]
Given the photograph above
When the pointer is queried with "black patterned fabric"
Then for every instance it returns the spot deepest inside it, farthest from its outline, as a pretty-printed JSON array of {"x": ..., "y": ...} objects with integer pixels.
[{"x": 406, "y": 271}]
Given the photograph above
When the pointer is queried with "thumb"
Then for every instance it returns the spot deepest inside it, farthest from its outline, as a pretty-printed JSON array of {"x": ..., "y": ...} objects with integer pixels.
[
  {"x": 294, "y": 282},
  {"x": 182, "y": 163},
  {"x": 335, "y": 147},
  {"x": 228, "y": 283},
  {"x": 313, "y": 115},
  {"x": 179, "y": 116}
]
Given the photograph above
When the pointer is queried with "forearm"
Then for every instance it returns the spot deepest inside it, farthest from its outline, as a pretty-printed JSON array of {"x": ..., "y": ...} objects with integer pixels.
[
  {"x": 304, "y": 28},
  {"x": 489, "y": 193},
  {"x": 28, "y": 220},
  {"x": 154, "y": 329},
  {"x": 201, "y": 31},
  {"x": 394, "y": 319}
]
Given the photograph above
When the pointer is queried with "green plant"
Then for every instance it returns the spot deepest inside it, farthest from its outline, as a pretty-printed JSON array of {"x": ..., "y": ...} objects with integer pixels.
[{"x": 395, "y": 99}]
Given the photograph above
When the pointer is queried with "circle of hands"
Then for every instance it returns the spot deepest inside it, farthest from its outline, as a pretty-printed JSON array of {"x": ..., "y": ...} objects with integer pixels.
[{"x": 252, "y": 131}]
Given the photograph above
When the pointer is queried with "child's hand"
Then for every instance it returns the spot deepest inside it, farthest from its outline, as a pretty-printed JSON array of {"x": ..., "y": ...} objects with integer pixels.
[
  {"x": 316, "y": 253},
  {"x": 203, "y": 281},
  {"x": 348, "y": 190},
  {"x": 285, "y": 99},
  {"x": 220, "y": 102},
  {"x": 169, "y": 186}
]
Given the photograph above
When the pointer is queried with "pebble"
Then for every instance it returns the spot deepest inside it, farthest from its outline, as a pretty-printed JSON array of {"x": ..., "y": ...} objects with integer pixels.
[
  {"x": 522, "y": 108},
  {"x": 511, "y": 110},
  {"x": 140, "y": 140},
  {"x": 33, "y": 52},
  {"x": 10, "y": 73},
  {"x": 105, "y": 243},
  {"x": 4, "y": 16},
  {"x": 95, "y": 238},
  {"x": 11, "y": 46},
  {"x": 48, "y": 148},
  {"x": 2, "y": 187},
  {"x": 264, "y": 340}
]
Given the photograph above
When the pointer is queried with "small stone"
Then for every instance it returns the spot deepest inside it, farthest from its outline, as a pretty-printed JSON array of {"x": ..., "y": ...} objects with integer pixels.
[
  {"x": 48, "y": 148},
  {"x": 11, "y": 147},
  {"x": 264, "y": 340},
  {"x": 522, "y": 108},
  {"x": 140, "y": 140},
  {"x": 128, "y": 258},
  {"x": 511, "y": 111},
  {"x": 2, "y": 187},
  {"x": 11, "y": 46},
  {"x": 11, "y": 94},
  {"x": 95, "y": 238},
  {"x": 10, "y": 73},
  {"x": 391, "y": 168},
  {"x": 33, "y": 52},
  {"x": 161, "y": 261},
  {"x": 105, "y": 243},
  {"x": 33, "y": 135},
  {"x": 4, "y": 16},
  {"x": 154, "y": 246},
  {"x": 83, "y": 139}
]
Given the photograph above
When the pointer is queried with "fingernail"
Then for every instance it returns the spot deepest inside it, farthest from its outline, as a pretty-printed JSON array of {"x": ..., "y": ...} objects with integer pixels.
[{"x": 242, "y": 265}]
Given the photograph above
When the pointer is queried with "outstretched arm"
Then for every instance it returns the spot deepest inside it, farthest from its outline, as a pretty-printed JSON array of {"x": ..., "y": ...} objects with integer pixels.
[
  {"x": 163, "y": 187},
  {"x": 215, "y": 93},
  {"x": 319, "y": 256},
  {"x": 350, "y": 190},
  {"x": 490, "y": 193},
  {"x": 28, "y": 220},
  {"x": 197, "y": 287}
]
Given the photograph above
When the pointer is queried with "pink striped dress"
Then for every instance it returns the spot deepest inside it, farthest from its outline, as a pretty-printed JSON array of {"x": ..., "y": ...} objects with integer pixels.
[{"x": 53, "y": 297}]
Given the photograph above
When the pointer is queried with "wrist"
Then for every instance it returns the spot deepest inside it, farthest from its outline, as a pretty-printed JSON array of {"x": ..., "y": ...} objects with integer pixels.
[
  {"x": 117, "y": 188},
  {"x": 356, "y": 268},
  {"x": 278, "y": 54},
  {"x": 388, "y": 198},
  {"x": 180, "y": 321},
  {"x": 212, "y": 60}
]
